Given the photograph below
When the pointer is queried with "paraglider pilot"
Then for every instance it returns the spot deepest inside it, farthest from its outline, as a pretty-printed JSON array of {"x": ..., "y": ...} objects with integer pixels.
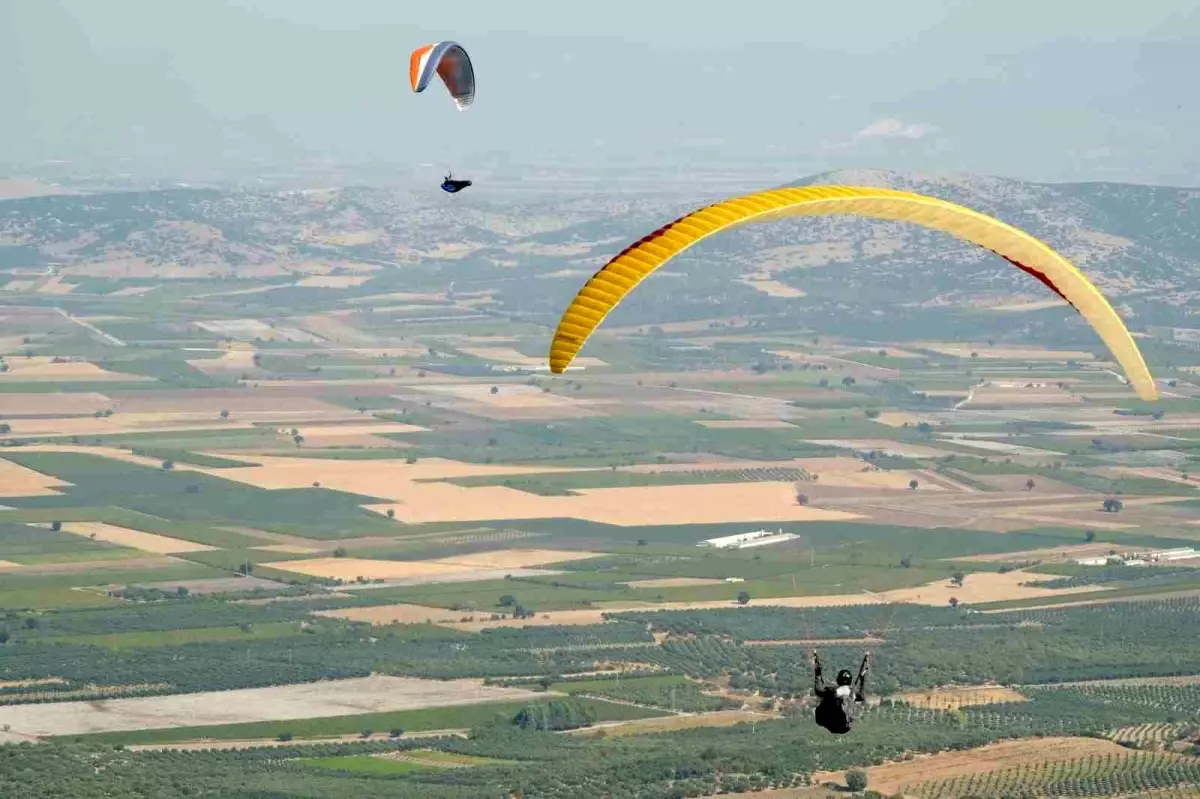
[
  {"x": 836, "y": 709},
  {"x": 453, "y": 186}
]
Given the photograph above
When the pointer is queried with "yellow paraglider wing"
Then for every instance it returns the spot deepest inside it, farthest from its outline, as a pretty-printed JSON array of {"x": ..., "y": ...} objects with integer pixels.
[{"x": 605, "y": 290}]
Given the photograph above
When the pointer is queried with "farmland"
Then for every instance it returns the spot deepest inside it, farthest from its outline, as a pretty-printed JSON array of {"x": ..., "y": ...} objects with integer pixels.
[{"x": 280, "y": 514}]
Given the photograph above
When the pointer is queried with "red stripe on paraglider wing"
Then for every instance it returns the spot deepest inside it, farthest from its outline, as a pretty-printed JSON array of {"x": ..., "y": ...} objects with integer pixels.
[{"x": 1040, "y": 276}]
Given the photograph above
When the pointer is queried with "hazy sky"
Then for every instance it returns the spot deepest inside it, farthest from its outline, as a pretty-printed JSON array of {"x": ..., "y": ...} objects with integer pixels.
[{"x": 1040, "y": 89}]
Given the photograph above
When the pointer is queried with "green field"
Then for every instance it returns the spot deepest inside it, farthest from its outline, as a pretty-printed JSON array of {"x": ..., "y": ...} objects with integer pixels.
[
  {"x": 364, "y": 764},
  {"x": 121, "y": 517},
  {"x": 22, "y": 543},
  {"x": 167, "y": 638},
  {"x": 195, "y": 498}
]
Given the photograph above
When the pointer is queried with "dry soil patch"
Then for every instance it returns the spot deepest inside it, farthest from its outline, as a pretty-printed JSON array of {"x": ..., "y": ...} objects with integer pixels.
[
  {"x": 896, "y": 777},
  {"x": 18, "y": 481},
  {"x": 962, "y": 696},
  {"x": 57, "y": 404},
  {"x": 135, "y": 539},
  {"x": 373, "y": 694}
]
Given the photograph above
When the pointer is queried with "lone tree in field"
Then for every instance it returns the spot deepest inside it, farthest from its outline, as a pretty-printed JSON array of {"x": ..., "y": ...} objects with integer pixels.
[
  {"x": 224, "y": 414},
  {"x": 1089, "y": 535},
  {"x": 856, "y": 780},
  {"x": 957, "y": 579},
  {"x": 1029, "y": 484},
  {"x": 912, "y": 485},
  {"x": 495, "y": 390},
  {"x": 801, "y": 498},
  {"x": 391, "y": 513},
  {"x": 1113, "y": 505},
  {"x": 56, "y": 526},
  {"x": 743, "y": 597},
  {"x": 953, "y": 601},
  {"x": 340, "y": 552}
]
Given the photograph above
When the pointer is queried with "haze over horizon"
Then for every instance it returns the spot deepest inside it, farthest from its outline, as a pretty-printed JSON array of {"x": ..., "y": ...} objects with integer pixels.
[{"x": 1045, "y": 92}]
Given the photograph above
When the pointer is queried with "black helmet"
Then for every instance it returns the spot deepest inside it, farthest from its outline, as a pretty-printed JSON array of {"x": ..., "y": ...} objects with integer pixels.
[{"x": 844, "y": 677}]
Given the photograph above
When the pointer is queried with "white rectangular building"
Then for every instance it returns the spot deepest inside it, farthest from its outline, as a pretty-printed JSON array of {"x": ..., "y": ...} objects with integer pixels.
[{"x": 757, "y": 538}]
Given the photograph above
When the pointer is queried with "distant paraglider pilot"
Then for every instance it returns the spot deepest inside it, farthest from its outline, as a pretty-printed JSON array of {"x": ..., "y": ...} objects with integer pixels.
[
  {"x": 836, "y": 709},
  {"x": 449, "y": 184}
]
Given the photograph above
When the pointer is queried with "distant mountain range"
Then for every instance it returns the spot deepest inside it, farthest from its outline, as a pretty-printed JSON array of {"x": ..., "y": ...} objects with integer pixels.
[{"x": 1141, "y": 244}]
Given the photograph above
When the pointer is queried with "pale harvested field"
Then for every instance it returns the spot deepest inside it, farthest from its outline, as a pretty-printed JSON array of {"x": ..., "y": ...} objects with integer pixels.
[
  {"x": 982, "y": 587},
  {"x": 352, "y": 239},
  {"x": 963, "y": 696},
  {"x": 881, "y": 445},
  {"x": 595, "y": 615},
  {"x": 508, "y": 396},
  {"x": 897, "y": 777},
  {"x": 234, "y": 359},
  {"x": 351, "y": 568},
  {"x": 57, "y": 404},
  {"x": 18, "y": 481},
  {"x": 401, "y": 296},
  {"x": 839, "y": 471},
  {"x": 482, "y": 563},
  {"x": 332, "y": 281},
  {"x": 1053, "y": 553},
  {"x": 1023, "y": 396},
  {"x": 979, "y": 587},
  {"x": 1023, "y": 307},
  {"x": 55, "y": 285},
  {"x": 512, "y": 356},
  {"x": 1159, "y": 473},
  {"x": 747, "y": 424},
  {"x": 260, "y": 743},
  {"x": 134, "y": 539},
  {"x": 43, "y": 368},
  {"x": 1000, "y": 446},
  {"x": 287, "y": 549},
  {"x": 323, "y": 432},
  {"x": 377, "y": 352},
  {"x": 131, "y": 291},
  {"x": 8, "y": 565},
  {"x": 259, "y": 405},
  {"x": 1006, "y": 353},
  {"x": 517, "y": 558},
  {"x": 674, "y": 582},
  {"x": 280, "y": 472},
  {"x": 122, "y": 423},
  {"x": 1015, "y": 483},
  {"x": 20, "y": 285},
  {"x": 688, "y": 721},
  {"x": 14, "y": 188},
  {"x": 432, "y": 501},
  {"x": 95, "y": 569},
  {"x": 1067, "y": 521},
  {"x": 773, "y": 288},
  {"x": 15, "y": 346},
  {"x": 396, "y": 614},
  {"x": 1186, "y": 679},
  {"x": 373, "y": 694},
  {"x": 899, "y": 419}
]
